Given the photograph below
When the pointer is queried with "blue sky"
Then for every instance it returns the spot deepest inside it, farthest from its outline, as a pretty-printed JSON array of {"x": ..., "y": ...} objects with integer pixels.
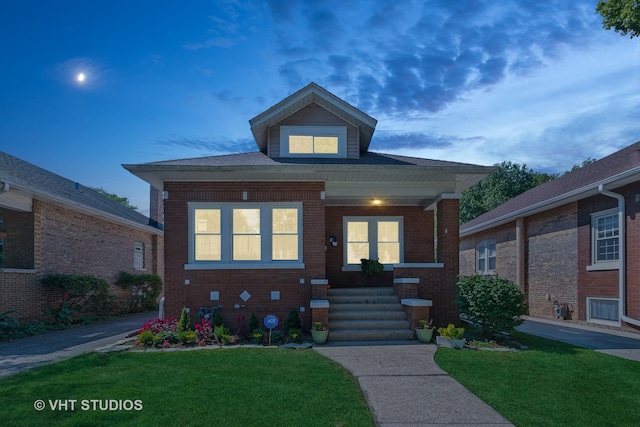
[{"x": 536, "y": 82}]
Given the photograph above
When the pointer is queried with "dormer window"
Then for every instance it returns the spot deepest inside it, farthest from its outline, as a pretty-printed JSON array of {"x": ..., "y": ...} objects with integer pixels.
[{"x": 313, "y": 141}]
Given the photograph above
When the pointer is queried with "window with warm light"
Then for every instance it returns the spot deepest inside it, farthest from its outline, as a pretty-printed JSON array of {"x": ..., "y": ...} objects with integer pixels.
[
  {"x": 315, "y": 141},
  {"x": 373, "y": 238},
  {"x": 245, "y": 235}
]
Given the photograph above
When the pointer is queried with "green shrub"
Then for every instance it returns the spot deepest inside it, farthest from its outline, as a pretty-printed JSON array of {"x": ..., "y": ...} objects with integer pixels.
[
  {"x": 187, "y": 337},
  {"x": 184, "y": 324},
  {"x": 292, "y": 321},
  {"x": 494, "y": 304},
  {"x": 78, "y": 292},
  {"x": 9, "y": 326},
  {"x": 143, "y": 290},
  {"x": 147, "y": 338},
  {"x": 253, "y": 322}
]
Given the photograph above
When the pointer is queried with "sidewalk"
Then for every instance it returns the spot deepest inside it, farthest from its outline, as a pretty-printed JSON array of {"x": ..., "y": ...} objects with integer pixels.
[{"x": 403, "y": 386}]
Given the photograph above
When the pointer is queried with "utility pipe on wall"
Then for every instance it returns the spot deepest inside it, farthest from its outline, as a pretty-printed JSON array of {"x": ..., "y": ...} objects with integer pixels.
[{"x": 622, "y": 271}]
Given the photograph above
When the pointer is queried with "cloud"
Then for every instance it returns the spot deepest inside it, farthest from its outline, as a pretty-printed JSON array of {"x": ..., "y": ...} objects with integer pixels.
[
  {"x": 386, "y": 141},
  {"x": 226, "y": 96},
  {"x": 422, "y": 57},
  {"x": 208, "y": 146}
]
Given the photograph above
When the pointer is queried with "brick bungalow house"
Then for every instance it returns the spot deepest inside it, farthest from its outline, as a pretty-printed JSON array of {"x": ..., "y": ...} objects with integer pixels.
[
  {"x": 573, "y": 240},
  {"x": 53, "y": 225},
  {"x": 267, "y": 231}
]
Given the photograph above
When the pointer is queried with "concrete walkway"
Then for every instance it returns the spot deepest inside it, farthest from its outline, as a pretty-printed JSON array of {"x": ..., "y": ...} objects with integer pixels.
[{"x": 403, "y": 386}]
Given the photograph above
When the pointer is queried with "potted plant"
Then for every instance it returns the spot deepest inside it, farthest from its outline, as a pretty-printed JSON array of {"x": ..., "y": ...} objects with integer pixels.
[
  {"x": 425, "y": 331},
  {"x": 455, "y": 336},
  {"x": 319, "y": 332},
  {"x": 371, "y": 267}
]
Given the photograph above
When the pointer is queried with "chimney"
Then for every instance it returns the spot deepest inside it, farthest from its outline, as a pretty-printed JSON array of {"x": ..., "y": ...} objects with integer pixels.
[{"x": 156, "y": 216}]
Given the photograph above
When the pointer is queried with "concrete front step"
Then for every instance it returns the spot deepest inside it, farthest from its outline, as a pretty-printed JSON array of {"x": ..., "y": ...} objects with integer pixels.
[
  {"x": 367, "y": 315},
  {"x": 370, "y": 335},
  {"x": 385, "y": 291},
  {"x": 370, "y": 324},
  {"x": 339, "y": 307}
]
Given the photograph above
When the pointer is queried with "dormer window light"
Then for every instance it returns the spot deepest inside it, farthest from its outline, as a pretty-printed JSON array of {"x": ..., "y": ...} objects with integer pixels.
[{"x": 313, "y": 141}]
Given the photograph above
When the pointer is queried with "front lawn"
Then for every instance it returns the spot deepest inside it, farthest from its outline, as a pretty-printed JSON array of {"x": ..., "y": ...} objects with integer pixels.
[
  {"x": 551, "y": 384},
  {"x": 234, "y": 387}
]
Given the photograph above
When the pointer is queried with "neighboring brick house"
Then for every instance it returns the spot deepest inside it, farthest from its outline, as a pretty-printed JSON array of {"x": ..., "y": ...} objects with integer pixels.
[
  {"x": 267, "y": 231},
  {"x": 574, "y": 240},
  {"x": 53, "y": 225}
]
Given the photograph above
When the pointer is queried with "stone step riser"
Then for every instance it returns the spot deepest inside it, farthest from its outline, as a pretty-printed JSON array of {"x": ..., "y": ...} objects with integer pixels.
[
  {"x": 366, "y": 335},
  {"x": 368, "y": 325},
  {"x": 367, "y": 315},
  {"x": 336, "y": 308},
  {"x": 358, "y": 299},
  {"x": 361, "y": 291}
]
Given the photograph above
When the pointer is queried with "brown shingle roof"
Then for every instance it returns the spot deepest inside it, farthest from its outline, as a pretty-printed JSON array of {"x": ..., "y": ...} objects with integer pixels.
[
  {"x": 33, "y": 179},
  {"x": 578, "y": 184}
]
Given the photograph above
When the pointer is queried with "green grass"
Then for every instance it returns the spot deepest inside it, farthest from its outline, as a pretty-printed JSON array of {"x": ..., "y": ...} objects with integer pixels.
[
  {"x": 238, "y": 387},
  {"x": 551, "y": 384}
]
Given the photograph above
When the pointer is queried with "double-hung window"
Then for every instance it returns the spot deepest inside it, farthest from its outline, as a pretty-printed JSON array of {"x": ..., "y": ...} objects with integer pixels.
[
  {"x": 486, "y": 257},
  {"x": 230, "y": 235},
  {"x": 605, "y": 240},
  {"x": 373, "y": 238}
]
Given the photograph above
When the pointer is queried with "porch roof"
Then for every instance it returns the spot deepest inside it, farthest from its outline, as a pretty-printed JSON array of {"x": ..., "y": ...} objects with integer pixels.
[{"x": 390, "y": 179}]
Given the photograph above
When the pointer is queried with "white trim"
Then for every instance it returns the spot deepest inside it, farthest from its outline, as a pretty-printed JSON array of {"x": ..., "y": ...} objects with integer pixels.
[
  {"x": 406, "y": 280},
  {"x": 602, "y": 321},
  {"x": 319, "y": 281},
  {"x": 338, "y": 131},
  {"x": 606, "y": 264},
  {"x": 419, "y": 265},
  {"x": 319, "y": 303},
  {"x": 245, "y": 266},
  {"x": 416, "y": 302},
  {"x": 226, "y": 236},
  {"x": 373, "y": 238}
]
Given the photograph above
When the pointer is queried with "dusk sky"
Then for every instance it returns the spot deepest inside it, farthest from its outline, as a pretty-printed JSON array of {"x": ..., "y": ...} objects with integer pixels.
[{"x": 537, "y": 82}]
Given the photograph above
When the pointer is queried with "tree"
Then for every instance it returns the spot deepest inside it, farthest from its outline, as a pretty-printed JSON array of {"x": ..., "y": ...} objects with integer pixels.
[
  {"x": 508, "y": 181},
  {"x": 123, "y": 200},
  {"x": 584, "y": 163},
  {"x": 621, "y": 15}
]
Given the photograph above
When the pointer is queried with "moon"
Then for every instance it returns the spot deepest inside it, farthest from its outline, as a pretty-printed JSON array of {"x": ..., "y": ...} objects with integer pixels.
[{"x": 80, "y": 77}]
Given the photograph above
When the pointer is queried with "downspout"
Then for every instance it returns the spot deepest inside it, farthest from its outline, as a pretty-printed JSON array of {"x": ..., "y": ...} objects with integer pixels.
[
  {"x": 520, "y": 254},
  {"x": 622, "y": 271},
  {"x": 5, "y": 187}
]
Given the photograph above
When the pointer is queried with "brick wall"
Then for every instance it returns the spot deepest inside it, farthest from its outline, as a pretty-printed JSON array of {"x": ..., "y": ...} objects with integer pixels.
[
  {"x": 231, "y": 283},
  {"x": 552, "y": 260},
  {"x": 418, "y": 241},
  {"x": 69, "y": 242}
]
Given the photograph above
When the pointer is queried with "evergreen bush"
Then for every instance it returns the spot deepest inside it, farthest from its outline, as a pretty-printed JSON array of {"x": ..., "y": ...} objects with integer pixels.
[{"x": 493, "y": 303}]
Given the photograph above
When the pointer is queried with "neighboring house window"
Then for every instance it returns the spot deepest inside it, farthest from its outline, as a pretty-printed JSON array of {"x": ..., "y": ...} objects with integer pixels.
[
  {"x": 138, "y": 256},
  {"x": 315, "y": 141},
  {"x": 373, "y": 238},
  {"x": 602, "y": 310},
  {"x": 605, "y": 233},
  {"x": 486, "y": 257},
  {"x": 224, "y": 235}
]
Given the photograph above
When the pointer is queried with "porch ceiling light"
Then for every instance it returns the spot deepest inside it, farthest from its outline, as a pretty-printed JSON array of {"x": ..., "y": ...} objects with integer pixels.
[{"x": 376, "y": 202}]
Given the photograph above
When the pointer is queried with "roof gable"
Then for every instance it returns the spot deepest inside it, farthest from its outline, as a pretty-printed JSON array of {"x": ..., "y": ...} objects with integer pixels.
[
  {"x": 615, "y": 170},
  {"x": 312, "y": 93}
]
